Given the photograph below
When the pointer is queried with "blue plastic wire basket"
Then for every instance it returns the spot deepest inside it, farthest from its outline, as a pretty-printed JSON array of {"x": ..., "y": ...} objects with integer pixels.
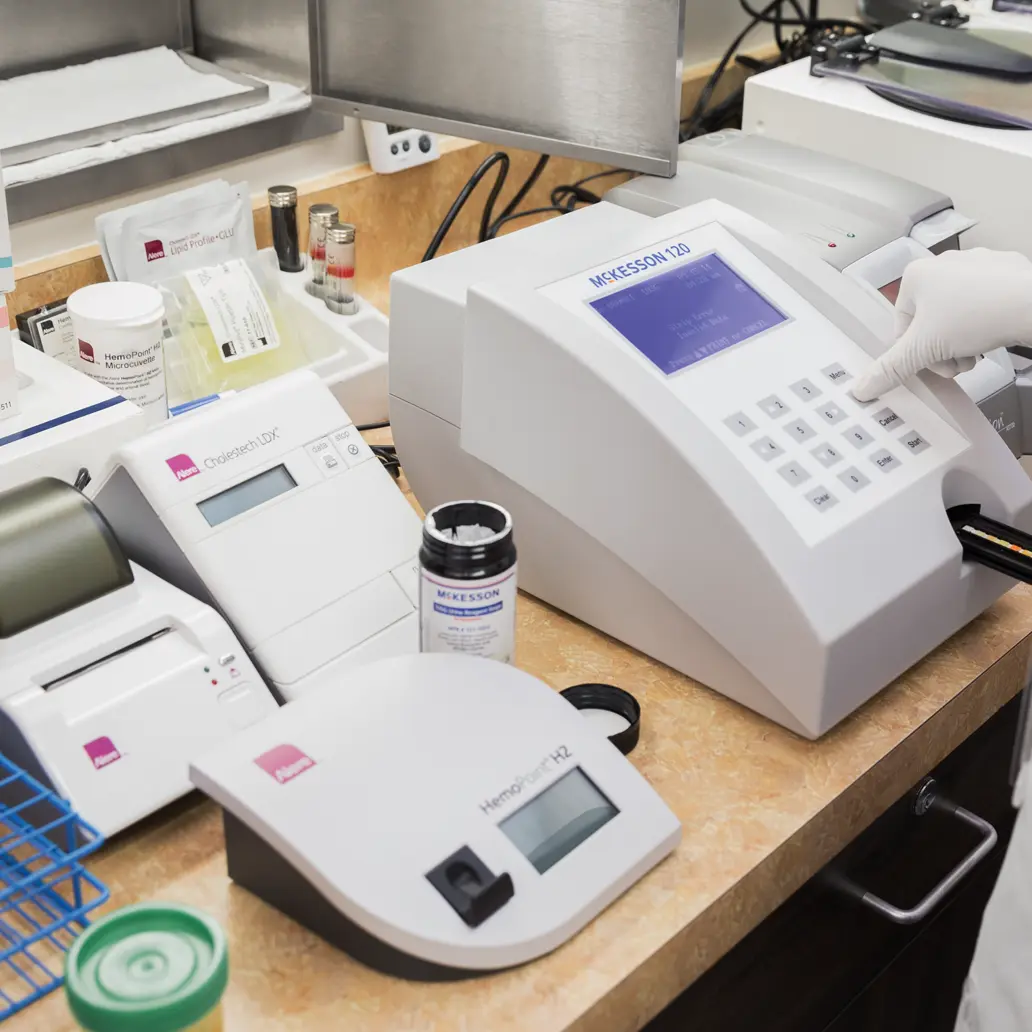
[{"x": 45, "y": 893}]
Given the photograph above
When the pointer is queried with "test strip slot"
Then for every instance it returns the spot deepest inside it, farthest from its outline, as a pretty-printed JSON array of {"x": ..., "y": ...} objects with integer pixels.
[{"x": 993, "y": 544}]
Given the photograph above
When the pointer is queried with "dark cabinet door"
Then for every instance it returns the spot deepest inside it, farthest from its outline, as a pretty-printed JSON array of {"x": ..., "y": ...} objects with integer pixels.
[
  {"x": 920, "y": 990},
  {"x": 824, "y": 963}
]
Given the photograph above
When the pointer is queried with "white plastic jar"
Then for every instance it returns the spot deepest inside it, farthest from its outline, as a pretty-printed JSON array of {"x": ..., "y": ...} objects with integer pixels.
[{"x": 119, "y": 332}]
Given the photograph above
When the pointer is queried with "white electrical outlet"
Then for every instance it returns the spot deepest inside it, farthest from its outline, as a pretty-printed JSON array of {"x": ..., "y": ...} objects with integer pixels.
[{"x": 392, "y": 147}]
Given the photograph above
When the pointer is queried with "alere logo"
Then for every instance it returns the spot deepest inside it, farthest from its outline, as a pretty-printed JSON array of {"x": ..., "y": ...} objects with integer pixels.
[
  {"x": 86, "y": 352},
  {"x": 154, "y": 250},
  {"x": 284, "y": 763},
  {"x": 183, "y": 466},
  {"x": 102, "y": 752}
]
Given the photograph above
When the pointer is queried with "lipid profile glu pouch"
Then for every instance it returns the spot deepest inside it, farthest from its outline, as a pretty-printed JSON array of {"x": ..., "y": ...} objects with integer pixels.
[
  {"x": 111, "y": 224},
  {"x": 157, "y": 248}
]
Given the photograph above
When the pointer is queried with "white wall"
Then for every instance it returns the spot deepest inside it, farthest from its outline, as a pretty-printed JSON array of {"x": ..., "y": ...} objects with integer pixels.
[{"x": 710, "y": 25}]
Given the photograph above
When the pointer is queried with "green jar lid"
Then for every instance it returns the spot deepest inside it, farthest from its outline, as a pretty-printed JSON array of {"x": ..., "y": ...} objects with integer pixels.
[{"x": 155, "y": 966}]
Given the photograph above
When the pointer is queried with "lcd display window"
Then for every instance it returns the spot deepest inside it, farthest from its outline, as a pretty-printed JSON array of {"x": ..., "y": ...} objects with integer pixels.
[
  {"x": 241, "y": 497},
  {"x": 682, "y": 316},
  {"x": 558, "y": 820}
]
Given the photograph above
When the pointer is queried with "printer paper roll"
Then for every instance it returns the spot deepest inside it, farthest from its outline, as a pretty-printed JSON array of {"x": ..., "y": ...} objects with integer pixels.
[{"x": 56, "y": 553}]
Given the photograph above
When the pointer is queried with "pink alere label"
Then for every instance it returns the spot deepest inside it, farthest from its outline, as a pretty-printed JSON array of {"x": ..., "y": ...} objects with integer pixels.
[
  {"x": 154, "y": 250},
  {"x": 284, "y": 763},
  {"x": 102, "y": 752},
  {"x": 86, "y": 352},
  {"x": 183, "y": 466}
]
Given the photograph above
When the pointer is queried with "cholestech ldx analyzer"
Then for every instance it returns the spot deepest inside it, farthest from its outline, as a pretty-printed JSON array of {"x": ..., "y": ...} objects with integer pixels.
[{"x": 664, "y": 407}]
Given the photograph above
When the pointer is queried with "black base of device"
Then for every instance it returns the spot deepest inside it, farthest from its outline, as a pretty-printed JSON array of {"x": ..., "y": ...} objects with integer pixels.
[{"x": 257, "y": 867}]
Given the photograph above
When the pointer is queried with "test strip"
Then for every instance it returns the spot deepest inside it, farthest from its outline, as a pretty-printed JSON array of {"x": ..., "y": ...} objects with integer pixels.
[{"x": 998, "y": 541}]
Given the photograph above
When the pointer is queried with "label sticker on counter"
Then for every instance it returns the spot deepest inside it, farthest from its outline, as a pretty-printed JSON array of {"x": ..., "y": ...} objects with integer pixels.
[{"x": 235, "y": 307}]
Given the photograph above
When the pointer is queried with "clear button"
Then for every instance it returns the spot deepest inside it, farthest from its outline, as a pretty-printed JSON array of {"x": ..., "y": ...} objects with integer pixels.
[
  {"x": 350, "y": 446},
  {"x": 821, "y": 499}
]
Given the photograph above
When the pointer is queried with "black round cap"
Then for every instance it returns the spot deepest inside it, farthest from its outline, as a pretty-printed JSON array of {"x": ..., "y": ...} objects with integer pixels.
[{"x": 614, "y": 700}]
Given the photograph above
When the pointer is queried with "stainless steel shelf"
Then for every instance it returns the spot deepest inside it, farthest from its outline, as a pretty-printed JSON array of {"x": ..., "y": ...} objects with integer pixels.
[
  {"x": 86, "y": 186},
  {"x": 45, "y": 147}
]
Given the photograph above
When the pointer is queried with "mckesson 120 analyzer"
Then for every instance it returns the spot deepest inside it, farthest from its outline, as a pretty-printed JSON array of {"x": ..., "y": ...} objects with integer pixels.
[{"x": 664, "y": 407}]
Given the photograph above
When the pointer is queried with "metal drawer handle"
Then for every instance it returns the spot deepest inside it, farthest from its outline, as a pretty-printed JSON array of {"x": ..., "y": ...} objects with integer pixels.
[{"x": 927, "y": 800}]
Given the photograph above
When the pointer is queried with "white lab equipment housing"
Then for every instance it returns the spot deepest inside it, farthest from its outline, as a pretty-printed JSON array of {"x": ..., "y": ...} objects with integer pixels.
[
  {"x": 866, "y": 223},
  {"x": 984, "y": 171},
  {"x": 460, "y": 761},
  {"x": 109, "y": 701},
  {"x": 271, "y": 507},
  {"x": 66, "y": 422},
  {"x": 742, "y": 519}
]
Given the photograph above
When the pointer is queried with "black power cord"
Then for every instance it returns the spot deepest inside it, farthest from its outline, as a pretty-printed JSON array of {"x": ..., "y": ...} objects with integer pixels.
[
  {"x": 569, "y": 195},
  {"x": 499, "y": 158},
  {"x": 488, "y": 223},
  {"x": 517, "y": 198},
  {"x": 781, "y": 15},
  {"x": 691, "y": 125},
  {"x": 523, "y": 214}
]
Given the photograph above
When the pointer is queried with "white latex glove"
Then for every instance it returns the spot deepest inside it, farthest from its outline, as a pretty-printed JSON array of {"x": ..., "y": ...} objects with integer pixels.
[{"x": 951, "y": 309}]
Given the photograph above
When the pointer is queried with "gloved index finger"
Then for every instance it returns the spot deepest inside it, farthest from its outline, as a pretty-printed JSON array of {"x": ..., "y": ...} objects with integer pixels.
[
  {"x": 895, "y": 367},
  {"x": 906, "y": 299}
]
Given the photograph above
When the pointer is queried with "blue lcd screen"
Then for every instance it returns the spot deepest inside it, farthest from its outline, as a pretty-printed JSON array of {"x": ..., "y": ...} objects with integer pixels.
[{"x": 682, "y": 316}]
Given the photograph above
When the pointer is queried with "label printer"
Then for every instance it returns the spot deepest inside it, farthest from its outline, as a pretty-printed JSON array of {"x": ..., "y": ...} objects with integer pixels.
[
  {"x": 664, "y": 406},
  {"x": 111, "y": 680}
]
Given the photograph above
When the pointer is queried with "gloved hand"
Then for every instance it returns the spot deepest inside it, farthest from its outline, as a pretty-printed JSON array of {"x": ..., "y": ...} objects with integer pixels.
[{"x": 951, "y": 309}]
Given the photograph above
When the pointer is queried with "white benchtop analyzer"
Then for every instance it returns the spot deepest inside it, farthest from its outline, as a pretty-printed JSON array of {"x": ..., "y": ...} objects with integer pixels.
[{"x": 663, "y": 405}]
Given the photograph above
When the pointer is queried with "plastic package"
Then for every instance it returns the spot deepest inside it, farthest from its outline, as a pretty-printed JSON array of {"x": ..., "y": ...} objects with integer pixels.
[
  {"x": 111, "y": 224},
  {"x": 227, "y": 330},
  {"x": 152, "y": 966},
  {"x": 155, "y": 247},
  {"x": 119, "y": 331}
]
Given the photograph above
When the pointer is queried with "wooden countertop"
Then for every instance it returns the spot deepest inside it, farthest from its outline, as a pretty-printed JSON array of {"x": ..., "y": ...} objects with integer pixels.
[{"x": 762, "y": 811}]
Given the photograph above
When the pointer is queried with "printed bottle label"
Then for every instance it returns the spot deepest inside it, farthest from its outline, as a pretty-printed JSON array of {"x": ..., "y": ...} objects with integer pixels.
[{"x": 475, "y": 617}]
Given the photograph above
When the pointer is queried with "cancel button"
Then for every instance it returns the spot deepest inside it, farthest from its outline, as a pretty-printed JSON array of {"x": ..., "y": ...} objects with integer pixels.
[{"x": 888, "y": 419}]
